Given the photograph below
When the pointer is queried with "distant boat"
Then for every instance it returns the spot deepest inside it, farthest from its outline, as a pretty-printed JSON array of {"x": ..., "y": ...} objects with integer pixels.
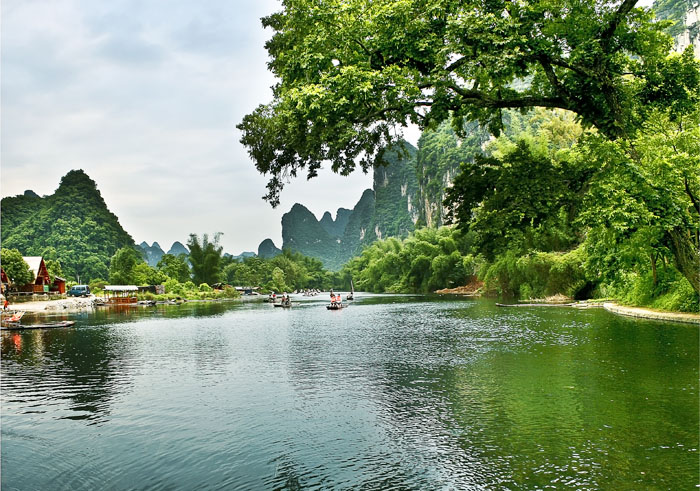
[
  {"x": 351, "y": 295},
  {"x": 16, "y": 326},
  {"x": 284, "y": 302}
]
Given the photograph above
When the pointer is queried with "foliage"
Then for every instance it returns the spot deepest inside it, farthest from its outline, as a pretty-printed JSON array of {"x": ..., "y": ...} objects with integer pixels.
[
  {"x": 175, "y": 267},
  {"x": 73, "y": 225},
  {"x": 523, "y": 200},
  {"x": 288, "y": 271},
  {"x": 97, "y": 284},
  {"x": 175, "y": 290},
  {"x": 122, "y": 266},
  {"x": 668, "y": 291},
  {"x": 16, "y": 269},
  {"x": 645, "y": 208},
  {"x": 205, "y": 258},
  {"x": 536, "y": 275},
  {"x": 53, "y": 266},
  {"x": 143, "y": 274},
  {"x": 351, "y": 72},
  {"x": 427, "y": 260}
]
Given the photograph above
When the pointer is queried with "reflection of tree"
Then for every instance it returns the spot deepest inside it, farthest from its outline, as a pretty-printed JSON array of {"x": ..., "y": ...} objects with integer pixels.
[
  {"x": 466, "y": 395},
  {"x": 88, "y": 367}
]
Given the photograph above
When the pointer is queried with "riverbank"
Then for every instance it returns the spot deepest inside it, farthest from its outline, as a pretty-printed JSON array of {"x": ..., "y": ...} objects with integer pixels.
[
  {"x": 81, "y": 304},
  {"x": 644, "y": 313},
  {"x": 72, "y": 304}
]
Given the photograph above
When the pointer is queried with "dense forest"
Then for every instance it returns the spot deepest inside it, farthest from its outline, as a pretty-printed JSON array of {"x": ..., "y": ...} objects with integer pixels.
[
  {"x": 563, "y": 136},
  {"x": 73, "y": 226},
  {"x": 538, "y": 212}
]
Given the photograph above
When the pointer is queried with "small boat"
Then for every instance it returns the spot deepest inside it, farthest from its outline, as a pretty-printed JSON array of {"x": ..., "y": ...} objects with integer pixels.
[
  {"x": 19, "y": 327},
  {"x": 285, "y": 302},
  {"x": 351, "y": 295},
  {"x": 334, "y": 306}
]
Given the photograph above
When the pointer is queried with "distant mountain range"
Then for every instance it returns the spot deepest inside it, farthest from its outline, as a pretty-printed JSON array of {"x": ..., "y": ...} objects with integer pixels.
[
  {"x": 154, "y": 253},
  {"x": 387, "y": 210},
  {"x": 74, "y": 225}
]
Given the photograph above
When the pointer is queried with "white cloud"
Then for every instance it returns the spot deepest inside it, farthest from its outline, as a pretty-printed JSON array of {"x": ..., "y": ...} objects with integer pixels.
[{"x": 145, "y": 96}]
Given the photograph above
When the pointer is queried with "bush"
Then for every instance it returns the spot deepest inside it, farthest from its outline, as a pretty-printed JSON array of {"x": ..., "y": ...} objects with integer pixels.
[
  {"x": 205, "y": 288},
  {"x": 97, "y": 284},
  {"x": 172, "y": 286},
  {"x": 536, "y": 275},
  {"x": 672, "y": 291}
]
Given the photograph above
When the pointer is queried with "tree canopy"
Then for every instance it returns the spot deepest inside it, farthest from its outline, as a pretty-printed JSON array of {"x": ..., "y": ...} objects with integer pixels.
[
  {"x": 16, "y": 269},
  {"x": 351, "y": 72},
  {"x": 73, "y": 225},
  {"x": 205, "y": 257}
]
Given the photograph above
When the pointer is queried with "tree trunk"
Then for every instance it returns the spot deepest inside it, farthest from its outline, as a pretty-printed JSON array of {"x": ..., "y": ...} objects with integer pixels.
[
  {"x": 653, "y": 267},
  {"x": 686, "y": 255}
]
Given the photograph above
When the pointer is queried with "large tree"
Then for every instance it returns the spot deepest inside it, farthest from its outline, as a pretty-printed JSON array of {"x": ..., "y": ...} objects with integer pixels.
[
  {"x": 205, "y": 257},
  {"x": 16, "y": 269},
  {"x": 352, "y": 71},
  {"x": 175, "y": 267}
]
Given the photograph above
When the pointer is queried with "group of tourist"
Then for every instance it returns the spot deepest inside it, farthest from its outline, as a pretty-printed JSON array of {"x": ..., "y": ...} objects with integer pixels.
[{"x": 335, "y": 299}]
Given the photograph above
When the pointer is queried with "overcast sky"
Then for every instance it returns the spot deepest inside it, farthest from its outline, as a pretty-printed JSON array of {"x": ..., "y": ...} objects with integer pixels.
[{"x": 144, "y": 96}]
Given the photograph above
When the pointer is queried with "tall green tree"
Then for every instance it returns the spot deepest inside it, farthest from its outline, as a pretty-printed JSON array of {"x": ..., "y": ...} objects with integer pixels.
[
  {"x": 205, "y": 257},
  {"x": 521, "y": 201},
  {"x": 351, "y": 72},
  {"x": 16, "y": 269},
  {"x": 175, "y": 267},
  {"x": 122, "y": 265},
  {"x": 647, "y": 208}
]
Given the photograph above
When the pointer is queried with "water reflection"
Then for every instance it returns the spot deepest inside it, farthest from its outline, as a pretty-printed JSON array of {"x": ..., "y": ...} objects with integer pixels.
[
  {"x": 81, "y": 371},
  {"x": 393, "y": 392}
]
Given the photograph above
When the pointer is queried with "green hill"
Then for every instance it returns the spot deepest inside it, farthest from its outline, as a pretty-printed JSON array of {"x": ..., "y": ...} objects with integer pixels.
[
  {"x": 73, "y": 226},
  {"x": 387, "y": 210}
]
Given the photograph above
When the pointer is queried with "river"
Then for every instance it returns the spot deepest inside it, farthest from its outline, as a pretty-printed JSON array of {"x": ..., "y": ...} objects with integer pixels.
[{"x": 393, "y": 392}]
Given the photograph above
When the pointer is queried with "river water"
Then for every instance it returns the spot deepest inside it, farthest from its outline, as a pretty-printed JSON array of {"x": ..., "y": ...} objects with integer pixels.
[{"x": 393, "y": 392}]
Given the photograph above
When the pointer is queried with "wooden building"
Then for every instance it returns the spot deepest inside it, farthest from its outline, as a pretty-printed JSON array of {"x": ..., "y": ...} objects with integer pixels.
[
  {"x": 121, "y": 294},
  {"x": 59, "y": 285},
  {"x": 42, "y": 281}
]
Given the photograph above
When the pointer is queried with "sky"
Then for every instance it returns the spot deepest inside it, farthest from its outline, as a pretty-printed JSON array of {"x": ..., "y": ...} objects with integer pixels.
[{"x": 144, "y": 96}]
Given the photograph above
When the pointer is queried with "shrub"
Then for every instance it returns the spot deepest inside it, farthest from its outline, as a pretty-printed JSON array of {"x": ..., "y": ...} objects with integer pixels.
[{"x": 536, "y": 275}]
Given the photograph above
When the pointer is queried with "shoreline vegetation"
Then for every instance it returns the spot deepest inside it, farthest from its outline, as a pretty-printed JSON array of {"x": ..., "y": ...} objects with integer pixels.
[{"x": 72, "y": 305}]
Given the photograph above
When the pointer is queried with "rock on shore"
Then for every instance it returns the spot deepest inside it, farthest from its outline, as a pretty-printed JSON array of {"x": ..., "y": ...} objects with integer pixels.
[{"x": 65, "y": 304}]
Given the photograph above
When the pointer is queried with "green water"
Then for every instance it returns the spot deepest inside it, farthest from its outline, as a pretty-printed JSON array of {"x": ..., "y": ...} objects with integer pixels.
[{"x": 394, "y": 392}]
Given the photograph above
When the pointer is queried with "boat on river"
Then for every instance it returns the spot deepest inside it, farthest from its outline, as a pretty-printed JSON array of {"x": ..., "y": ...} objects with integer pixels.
[
  {"x": 285, "y": 301},
  {"x": 17, "y": 326},
  {"x": 351, "y": 295}
]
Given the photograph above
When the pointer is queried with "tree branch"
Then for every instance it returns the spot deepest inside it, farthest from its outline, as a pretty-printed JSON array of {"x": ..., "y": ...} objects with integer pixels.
[
  {"x": 552, "y": 77},
  {"x": 607, "y": 34},
  {"x": 688, "y": 191}
]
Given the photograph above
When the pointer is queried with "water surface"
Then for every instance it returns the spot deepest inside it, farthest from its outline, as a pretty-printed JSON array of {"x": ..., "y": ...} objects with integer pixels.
[{"x": 397, "y": 392}]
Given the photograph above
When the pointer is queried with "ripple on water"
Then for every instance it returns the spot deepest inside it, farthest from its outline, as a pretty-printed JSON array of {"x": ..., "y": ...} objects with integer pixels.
[{"x": 399, "y": 393}]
